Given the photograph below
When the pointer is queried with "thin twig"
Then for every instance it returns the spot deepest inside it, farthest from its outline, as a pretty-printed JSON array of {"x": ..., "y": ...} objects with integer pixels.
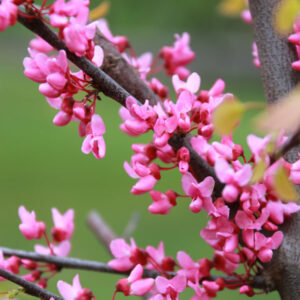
[
  {"x": 29, "y": 287},
  {"x": 132, "y": 225},
  {"x": 88, "y": 265},
  {"x": 101, "y": 229}
]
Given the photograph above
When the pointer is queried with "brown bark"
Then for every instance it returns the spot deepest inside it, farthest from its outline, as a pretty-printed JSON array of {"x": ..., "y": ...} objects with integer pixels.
[{"x": 276, "y": 55}]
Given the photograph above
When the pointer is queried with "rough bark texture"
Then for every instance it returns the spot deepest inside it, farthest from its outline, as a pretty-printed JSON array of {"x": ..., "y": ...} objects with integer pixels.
[
  {"x": 117, "y": 68},
  {"x": 276, "y": 55}
]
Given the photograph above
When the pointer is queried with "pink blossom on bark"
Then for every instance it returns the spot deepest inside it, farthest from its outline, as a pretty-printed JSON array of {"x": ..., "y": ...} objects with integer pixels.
[{"x": 261, "y": 245}]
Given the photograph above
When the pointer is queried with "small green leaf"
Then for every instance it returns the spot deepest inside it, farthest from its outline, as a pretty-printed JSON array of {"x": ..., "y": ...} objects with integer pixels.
[
  {"x": 285, "y": 15},
  {"x": 258, "y": 172},
  {"x": 227, "y": 116},
  {"x": 232, "y": 8},
  {"x": 284, "y": 188},
  {"x": 100, "y": 11}
]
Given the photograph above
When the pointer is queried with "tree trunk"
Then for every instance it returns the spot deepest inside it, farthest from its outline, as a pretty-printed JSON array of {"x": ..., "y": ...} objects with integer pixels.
[{"x": 276, "y": 56}]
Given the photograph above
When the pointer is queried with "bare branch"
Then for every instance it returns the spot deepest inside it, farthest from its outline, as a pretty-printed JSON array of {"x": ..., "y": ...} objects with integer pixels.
[
  {"x": 132, "y": 225},
  {"x": 101, "y": 229},
  {"x": 29, "y": 287}
]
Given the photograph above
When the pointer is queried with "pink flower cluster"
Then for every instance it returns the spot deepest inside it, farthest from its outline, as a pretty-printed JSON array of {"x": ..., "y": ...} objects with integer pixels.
[
  {"x": 189, "y": 273},
  {"x": 60, "y": 245},
  {"x": 8, "y": 14},
  {"x": 61, "y": 232},
  {"x": 258, "y": 206},
  {"x": 56, "y": 80}
]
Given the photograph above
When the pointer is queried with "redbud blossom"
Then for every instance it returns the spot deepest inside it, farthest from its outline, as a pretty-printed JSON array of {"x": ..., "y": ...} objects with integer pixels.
[
  {"x": 74, "y": 291},
  {"x": 29, "y": 227},
  {"x": 63, "y": 225}
]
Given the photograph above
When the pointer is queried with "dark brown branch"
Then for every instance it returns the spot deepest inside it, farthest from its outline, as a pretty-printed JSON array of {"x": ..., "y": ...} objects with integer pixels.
[
  {"x": 101, "y": 80},
  {"x": 29, "y": 287},
  {"x": 71, "y": 263},
  {"x": 114, "y": 88},
  {"x": 75, "y": 263},
  {"x": 117, "y": 68},
  {"x": 276, "y": 55}
]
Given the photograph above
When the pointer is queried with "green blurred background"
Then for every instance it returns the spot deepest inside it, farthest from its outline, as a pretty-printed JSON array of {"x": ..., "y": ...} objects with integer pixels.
[{"x": 42, "y": 165}]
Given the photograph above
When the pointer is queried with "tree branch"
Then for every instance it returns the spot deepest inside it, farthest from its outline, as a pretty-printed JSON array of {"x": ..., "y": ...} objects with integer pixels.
[
  {"x": 29, "y": 287},
  {"x": 112, "y": 88},
  {"x": 101, "y": 229},
  {"x": 101, "y": 80},
  {"x": 276, "y": 55},
  {"x": 74, "y": 263}
]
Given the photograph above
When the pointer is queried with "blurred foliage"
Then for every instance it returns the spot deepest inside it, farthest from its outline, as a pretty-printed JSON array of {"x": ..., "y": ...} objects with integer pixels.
[{"x": 42, "y": 165}]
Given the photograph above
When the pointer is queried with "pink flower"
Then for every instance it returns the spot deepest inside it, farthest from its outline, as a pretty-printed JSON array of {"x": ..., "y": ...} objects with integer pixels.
[
  {"x": 78, "y": 37},
  {"x": 134, "y": 284},
  {"x": 74, "y": 291},
  {"x": 246, "y": 221},
  {"x": 29, "y": 227},
  {"x": 171, "y": 288},
  {"x": 126, "y": 256},
  {"x": 246, "y": 16},
  {"x": 200, "y": 192},
  {"x": 8, "y": 14},
  {"x": 10, "y": 264},
  {"x": 94, "y": 140},
  {"x": 138, "y": 119},
  {"x": 162, "y": 202},
  {"x": 191, "y": 269},
  {"x": 234, "y": 180},
  {"x": 183, "y": 155},
  {"x": 148, "y": 176},
  {"x": 192, "y": 84},
  {"x": 176, "y": 57},
  {"x": 63, "y": 249},
  {"x": 165, "y": 263},
  {"x": 142, "y": 64},
  {"x": 39, "y": 45},
  {"x": 221, "y": 234},
  {"x": 261, "y": 245},
  {"x": 63, "y": 225},
  {"x": 278, "y": 210}
]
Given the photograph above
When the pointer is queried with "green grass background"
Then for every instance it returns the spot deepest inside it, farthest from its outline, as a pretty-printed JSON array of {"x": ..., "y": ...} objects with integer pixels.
[{"x": 42, "y": 165}]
